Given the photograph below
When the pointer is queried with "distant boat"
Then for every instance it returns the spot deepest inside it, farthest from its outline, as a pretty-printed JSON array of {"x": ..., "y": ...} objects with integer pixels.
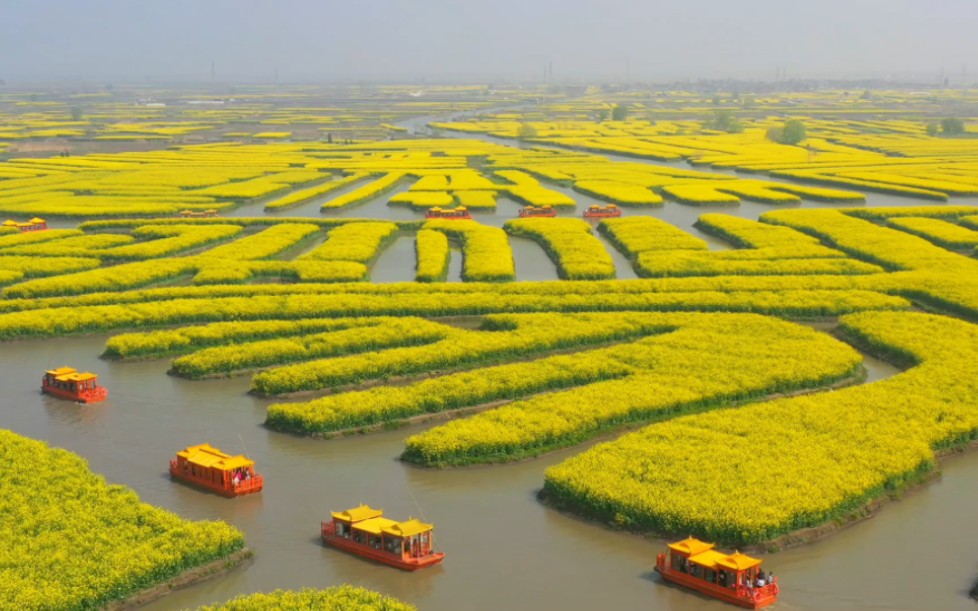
[
  {"x": 365, "y": 532},
  {"x": 209, "y": 468},
  {"x": 35, "y": 224},
  {"x": 734, "y": 578},
  {"x": 460, "y": 213},
  {"x": 602, "y": 212},
  {"x": 69, "y": 383},
  {"x": 538, "y": 211},
  {"x": 197, "y": 214}
]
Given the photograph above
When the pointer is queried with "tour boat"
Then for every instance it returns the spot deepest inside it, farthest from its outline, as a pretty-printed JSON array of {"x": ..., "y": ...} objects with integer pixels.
[
  {"x": 538, "y": 211},
  {"x": 602, "y": 212},
  {"x": 35, "y": 224},
  {"x": 69, "y": 383},
  {"x": 197, "y": 214},
  {"x": 454, "y": 213},
  {"x": 209, "y": 468},
  {"x": 734, "y": 578},
  {"x": 365, "y": 532}
]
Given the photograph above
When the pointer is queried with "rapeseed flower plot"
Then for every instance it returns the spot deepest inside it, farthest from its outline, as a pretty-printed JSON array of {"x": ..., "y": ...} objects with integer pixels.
[
  {"x": 569, "y": 242},
  {"x": 689, "y": 368},
  {"x": 72, "y": 541},
  {"x": 756, "y": 472},
  {"x": 336, "y": 597},
  {"x": 433, "y": 255}
]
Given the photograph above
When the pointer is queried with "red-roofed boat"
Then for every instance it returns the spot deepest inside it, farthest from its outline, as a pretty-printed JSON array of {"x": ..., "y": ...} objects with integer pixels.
[
  {"x": 69, "y": 383},
  {"x": 602, "y": 212},
  {"x": 365, "y": 532},
  {"x": 734, "y": 578},
  {"x": 209, "y": 468}
]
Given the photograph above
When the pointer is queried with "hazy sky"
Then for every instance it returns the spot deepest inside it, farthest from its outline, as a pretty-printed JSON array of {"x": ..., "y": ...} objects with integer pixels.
[{"x": 490, "y": 39}]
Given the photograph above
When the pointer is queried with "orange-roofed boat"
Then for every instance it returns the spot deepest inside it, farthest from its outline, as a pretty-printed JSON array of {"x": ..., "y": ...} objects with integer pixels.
[
  {"x": 529, "y": 212},
  {"x": 69, "y": 383},
  {"x": 209, "y": 468},
  {"x": 35, "y": 224},
  {"x": 734, "y": 578},
  {"x": 365, "y": 531},
  {"x": 602, "y": 212},
  {"x": 453, "y": 213}
]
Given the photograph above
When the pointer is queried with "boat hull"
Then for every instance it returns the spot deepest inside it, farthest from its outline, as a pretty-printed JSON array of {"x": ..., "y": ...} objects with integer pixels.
[
  {"x": 100, "y": 393},
  {"x": 602, "y": 215},
  {"x": 532, "y": 215},
  {"x": 365, "y": 551},
  {"x": 756, "y": 598},
  {"x": 251, "y": 486}
]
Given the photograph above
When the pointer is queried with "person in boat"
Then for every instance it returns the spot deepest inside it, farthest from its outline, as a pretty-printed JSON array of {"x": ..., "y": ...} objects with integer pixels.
[{"x": 761, "y": 579}]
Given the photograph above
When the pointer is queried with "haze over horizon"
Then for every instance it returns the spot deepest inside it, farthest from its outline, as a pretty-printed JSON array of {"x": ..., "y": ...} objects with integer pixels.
[{"x": 443, "y": 40}]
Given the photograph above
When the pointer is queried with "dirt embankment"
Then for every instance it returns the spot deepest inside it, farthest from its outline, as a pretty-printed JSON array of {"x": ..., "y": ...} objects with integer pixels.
[{"x": 184, "y": 579}]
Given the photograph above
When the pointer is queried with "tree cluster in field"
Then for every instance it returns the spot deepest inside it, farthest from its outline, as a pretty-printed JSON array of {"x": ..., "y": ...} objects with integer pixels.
[
  {"x": 948, "y": 126},
  {"x": 724, "y": 121},
  {"x": 792, "y": 132}
]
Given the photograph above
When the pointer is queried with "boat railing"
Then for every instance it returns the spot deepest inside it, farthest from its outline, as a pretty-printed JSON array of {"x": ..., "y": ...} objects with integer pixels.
[
  {"x": 329, "y": 529},
  {"x": 660, "y": 562},
  {"x": 254, "y": 482},
  {"x": 758, "y": 593}
]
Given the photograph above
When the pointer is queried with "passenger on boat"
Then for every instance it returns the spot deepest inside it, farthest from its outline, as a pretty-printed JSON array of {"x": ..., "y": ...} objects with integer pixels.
[{"x": 761, "y": 579}]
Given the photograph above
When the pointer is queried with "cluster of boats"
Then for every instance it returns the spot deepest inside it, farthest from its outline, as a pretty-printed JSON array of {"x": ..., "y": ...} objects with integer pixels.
[
  {"x": 410, "y": 545},
  {"x": 35, "y": 224},
  {"x": 545, "y": 211},
  {"x": 363, "y": 530}
]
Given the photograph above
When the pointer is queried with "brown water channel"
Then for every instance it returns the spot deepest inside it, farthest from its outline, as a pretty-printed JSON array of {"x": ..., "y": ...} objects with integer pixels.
[{"x": 504, "y": 549}]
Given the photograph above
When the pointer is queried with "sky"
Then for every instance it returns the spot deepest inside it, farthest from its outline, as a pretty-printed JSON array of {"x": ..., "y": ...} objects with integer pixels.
[{"x": 494, "y": 40}]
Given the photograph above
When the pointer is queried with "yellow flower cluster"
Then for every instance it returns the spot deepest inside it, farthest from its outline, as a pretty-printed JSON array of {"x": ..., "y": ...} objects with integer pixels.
[
  {"x": 487, "y": 256},
  {"x": 671, "y": 373},
  {"x": 344, "y": 597},
  {"x": 433, "y": 255},
  {"x": 360, "y": 242},
  {"x": 375, "y": 334},
  {"x": 942, "y": 233},
  {"x": 303, "y": 195},
  {"x": 753, "y": 473},
  {"x": 155, "y": 344},
  {"x": 636, "y": 234},
  {"x": 72, "y": 541},
  {"x": 569, "y": 242}
]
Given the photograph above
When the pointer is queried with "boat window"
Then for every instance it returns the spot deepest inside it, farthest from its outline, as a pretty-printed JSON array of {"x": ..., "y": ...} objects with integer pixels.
[
  {"x": 340, "y": 529},
  {"x": 695, "y": 569},
  {"x": 727, "y": 580},
  {"x": 679, "y": 563},
  {"x": 710, "y": 575}
]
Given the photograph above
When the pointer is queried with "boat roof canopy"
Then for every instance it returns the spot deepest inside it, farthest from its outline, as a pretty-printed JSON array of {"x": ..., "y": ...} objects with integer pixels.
[
  {"x": 60, "y": 371},
  {"x": 374, "y": 526},
  {"x": 358, "y": 514},
  {"x": 36, "y": 220},
  {"x": 408, "y": 529},
  {"x": 738, "y": 562},
  {"x": 207, "y": 455},
  {"x": 76, "y": 377},
  {"x": 691, "y": 546}
]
